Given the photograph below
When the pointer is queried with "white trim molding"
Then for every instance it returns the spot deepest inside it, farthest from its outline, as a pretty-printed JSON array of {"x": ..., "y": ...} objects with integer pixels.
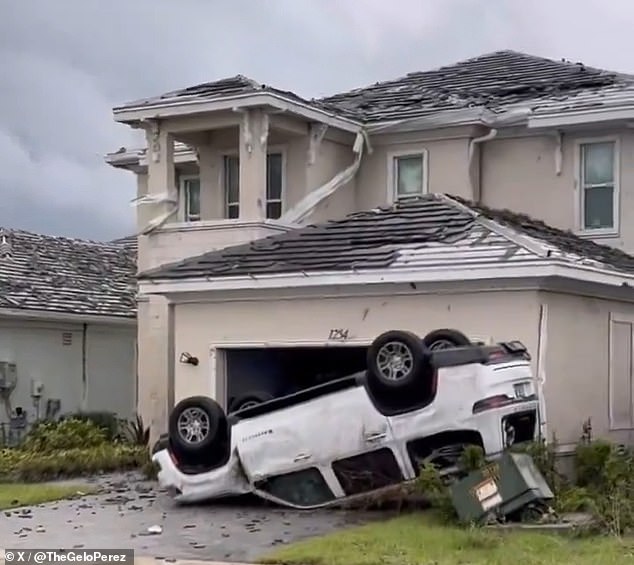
[
  {"x": 579, "y": 209},
  {"x": 46, "y": 316},
  {"x": 539, "y": 268},
  {"x": 183, "y": 107},
  {"x": 581, "y": 117},
  {"x": 392, "y": 156},
  {"x": 615, "y": 318}
]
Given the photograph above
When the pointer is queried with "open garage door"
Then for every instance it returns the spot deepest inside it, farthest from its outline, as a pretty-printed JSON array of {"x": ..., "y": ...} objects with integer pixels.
[{"x": 256, "y": 375}]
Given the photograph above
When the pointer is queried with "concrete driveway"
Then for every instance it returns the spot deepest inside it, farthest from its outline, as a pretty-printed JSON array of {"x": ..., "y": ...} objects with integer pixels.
[{"x": 129, "y": 513}]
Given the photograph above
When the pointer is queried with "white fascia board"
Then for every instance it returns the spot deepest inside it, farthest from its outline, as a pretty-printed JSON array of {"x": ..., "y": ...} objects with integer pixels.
[
  {"x": 536, "y": 269},
  {"x": 43, "y": 315},
  {"x": 187, "y": 107},
  {"x": 560, "y": 119}
]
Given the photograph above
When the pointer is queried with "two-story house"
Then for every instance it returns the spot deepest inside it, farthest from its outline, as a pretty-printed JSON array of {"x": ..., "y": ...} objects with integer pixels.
[{"x": 231, "y": 162}]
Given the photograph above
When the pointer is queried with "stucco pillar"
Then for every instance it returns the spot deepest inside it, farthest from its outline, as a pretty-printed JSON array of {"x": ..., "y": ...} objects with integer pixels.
[
  {"x": 161, "y": 175},
  {"x": 253, "y": 149},
  {"x": 211, "y": 196}
]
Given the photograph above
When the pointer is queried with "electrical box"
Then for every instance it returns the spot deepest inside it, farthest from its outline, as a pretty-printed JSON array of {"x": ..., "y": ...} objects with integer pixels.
[
  {"x": 37, "y": 388},
  {"x": 503, "y": 487},
  {"x": 8, "y": 375}
]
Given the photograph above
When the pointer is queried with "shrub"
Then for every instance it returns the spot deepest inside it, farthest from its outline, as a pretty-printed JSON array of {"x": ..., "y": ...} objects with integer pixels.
[
  {"x": 29, "y": 466},
  {"x": 107, "y": 421},
  {"x": 134, "y": 432},
  {"x": 50, "y": 437}
]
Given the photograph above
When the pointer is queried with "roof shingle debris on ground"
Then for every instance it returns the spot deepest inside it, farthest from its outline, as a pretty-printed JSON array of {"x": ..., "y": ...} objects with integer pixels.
[
  {"x": 65, "y": 275},
  {"x": 493, "y": 81},
  {"x": 427, "y": 231}
]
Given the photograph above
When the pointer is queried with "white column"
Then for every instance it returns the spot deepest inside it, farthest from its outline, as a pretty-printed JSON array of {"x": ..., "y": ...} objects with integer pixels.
[
  {"x": 253, "y": 150},
  {"x": 161, "y": 179},
  {"x": 211, "y": 195}
]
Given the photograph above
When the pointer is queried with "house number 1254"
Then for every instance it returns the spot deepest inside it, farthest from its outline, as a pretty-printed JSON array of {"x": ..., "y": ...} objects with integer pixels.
[{"x": 338, "y": 334}]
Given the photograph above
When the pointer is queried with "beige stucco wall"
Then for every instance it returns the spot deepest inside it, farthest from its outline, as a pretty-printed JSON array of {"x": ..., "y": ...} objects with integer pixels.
[
  {"x": 201, "y": 326},
  {"x": 520, "y": 174},
  {"x": 53, "y": 353},
  {"x": 448, "y": 169},
  {"x": 577, "y": 368}
]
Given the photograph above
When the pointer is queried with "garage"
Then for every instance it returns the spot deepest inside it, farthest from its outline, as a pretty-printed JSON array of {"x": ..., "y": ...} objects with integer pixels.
[
  {"x": 417, "y": 267},
  {"x": 254, "y": 375}
]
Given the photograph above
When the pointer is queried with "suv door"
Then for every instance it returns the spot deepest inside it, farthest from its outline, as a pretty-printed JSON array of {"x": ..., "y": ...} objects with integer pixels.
[{"x": 331, "y": 428}]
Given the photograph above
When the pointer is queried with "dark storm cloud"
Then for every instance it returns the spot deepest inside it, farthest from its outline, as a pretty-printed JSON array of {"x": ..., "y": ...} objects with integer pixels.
[{"x": 65, "y": 63}]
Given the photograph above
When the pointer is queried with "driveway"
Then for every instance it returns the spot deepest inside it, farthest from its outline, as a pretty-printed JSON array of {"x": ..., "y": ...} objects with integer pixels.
[{"x": 128, "y": 512}]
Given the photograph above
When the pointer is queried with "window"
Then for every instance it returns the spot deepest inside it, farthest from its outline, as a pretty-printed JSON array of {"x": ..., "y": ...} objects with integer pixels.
[
  {"x": 303, "y": 488},
  {"x": 274, "y": 185},
  {"x": 621, "y": 389},
  {"x": 232, "y": 186},
  {"x": 190, "y": 198},
  {"x": 598, "y": 184},
  {"x": 408, "y": 175}
]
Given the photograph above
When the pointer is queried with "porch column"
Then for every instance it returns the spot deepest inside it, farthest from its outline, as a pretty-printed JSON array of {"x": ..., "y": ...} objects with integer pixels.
[
  {"x": 211, "y": 197},
  {"x": 161, "y": 179},
  {"x": 253, "y": 149}
]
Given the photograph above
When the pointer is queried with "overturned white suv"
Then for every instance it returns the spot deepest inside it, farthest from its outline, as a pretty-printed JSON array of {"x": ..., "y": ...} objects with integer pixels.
[{"x": 354, "y": 436}]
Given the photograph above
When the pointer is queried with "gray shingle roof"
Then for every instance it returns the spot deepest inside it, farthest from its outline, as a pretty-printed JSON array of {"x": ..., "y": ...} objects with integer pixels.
[
  {"x": 426, "y": 231},
  {"x": 64, "y": 275},
  {"x": 493, "y": 81}
]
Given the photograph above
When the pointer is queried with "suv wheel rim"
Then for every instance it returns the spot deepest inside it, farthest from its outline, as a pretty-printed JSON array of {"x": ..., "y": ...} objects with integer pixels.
[
  {"x": 395, "y": 361},
  {"x": 193, "y": 425}
]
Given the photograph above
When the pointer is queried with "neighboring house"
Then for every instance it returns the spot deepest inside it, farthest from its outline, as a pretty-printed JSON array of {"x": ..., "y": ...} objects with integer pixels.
[
  {"x": 233, "y": 161},
  {"x": 67, "y": 322}
]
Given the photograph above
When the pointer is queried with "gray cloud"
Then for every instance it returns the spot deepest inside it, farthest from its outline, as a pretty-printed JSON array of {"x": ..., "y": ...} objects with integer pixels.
[{"x": 65, "y": 63}]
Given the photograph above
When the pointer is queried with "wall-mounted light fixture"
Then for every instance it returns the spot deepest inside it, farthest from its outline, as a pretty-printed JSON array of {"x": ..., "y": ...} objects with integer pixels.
[{"x": 187, "y": 358}]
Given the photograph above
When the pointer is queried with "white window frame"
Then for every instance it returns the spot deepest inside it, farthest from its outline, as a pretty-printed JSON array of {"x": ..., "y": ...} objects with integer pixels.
[
  {"x": 617, "y": 317},
  {"x": 391, "y": 171},
  {"x": 281, "y": 149},
  {"x": 182, "y": 198},
  {"x": 580, "y": 191}
]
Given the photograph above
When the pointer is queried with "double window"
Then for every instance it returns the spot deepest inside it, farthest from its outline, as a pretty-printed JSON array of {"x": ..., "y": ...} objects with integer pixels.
[
  {"x": 407, "y": 175},
  {"x": 274, "y": 185},
  {"x": 598, "y": 185}
]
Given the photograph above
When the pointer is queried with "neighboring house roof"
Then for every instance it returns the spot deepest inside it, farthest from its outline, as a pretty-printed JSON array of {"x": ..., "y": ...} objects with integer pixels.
[
  {"x": 494, "y": 81},
  {"x": 70, "y": 276},
  {"x": 427, "y": 231}
]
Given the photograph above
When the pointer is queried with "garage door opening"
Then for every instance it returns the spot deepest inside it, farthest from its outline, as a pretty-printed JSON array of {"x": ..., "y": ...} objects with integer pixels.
[{"x": 259, "y": 374}]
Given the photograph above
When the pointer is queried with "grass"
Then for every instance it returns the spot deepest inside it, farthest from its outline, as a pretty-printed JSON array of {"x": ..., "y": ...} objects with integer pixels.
[
  {"x": 418, "y": 539},
  {"x": 13, "y": 495}
]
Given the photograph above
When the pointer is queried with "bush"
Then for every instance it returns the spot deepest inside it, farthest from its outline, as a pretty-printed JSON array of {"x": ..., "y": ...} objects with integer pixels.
[
  {"x": 107, "y": 421},
  {"x": 50, "y": 437},
  {"x": 28, "y": 466}
]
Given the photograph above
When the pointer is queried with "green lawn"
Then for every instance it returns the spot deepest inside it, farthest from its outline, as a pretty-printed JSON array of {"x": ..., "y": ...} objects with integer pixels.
[
  {"x": 417, "y": 539},
  {"x": 19, "y": 494}
]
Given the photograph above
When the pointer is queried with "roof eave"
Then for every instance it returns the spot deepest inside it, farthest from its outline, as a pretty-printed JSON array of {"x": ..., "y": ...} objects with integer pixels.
[
  {"x": 132, "y": 114},
  {"x": 581, "y": 117},
  {"x": 539, "y": 268}
]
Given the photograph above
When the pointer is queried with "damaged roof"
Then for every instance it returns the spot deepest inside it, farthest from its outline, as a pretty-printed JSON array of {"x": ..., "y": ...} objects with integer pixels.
[
  {"x": 493, "y": 81},
  {"x": 428, "y": 231},
  {"x": 70, "y": 276}
]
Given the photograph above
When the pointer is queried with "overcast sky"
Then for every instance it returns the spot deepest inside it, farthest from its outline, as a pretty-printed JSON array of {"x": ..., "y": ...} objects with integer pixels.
[{"x": 65, "y": 63}]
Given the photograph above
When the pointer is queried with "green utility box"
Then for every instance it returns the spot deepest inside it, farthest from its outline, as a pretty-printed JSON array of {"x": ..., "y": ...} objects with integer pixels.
[{"x": 501, "y": 488}]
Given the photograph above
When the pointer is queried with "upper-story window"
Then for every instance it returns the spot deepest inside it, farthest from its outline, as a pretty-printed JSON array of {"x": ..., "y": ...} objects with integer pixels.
[
  {"x": 190, "y": 198},
  {"x": 598, "y": 178},
  {"x": 408, "y": 175},
  {"x": 274, "y": 185}
]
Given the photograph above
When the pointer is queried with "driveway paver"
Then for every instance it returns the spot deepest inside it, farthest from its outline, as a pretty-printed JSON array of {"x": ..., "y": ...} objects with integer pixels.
[{"x": 131, "y": 513}]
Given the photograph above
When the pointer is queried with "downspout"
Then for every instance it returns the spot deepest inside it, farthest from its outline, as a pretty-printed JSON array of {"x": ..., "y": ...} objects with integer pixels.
[
  {"x": 476, "y": 177},
  {"x": 304, "y": 208},
  {"x": 84, "y": 371}
]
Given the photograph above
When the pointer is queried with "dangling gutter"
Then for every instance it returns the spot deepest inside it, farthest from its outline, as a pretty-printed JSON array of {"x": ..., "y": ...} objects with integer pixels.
[{"x": 303, "y": 209}]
